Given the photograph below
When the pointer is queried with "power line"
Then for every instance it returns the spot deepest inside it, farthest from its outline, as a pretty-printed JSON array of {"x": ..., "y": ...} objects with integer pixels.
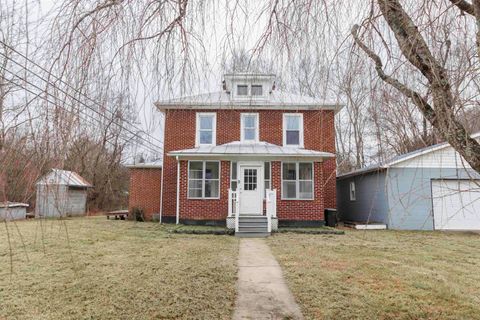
[
  {"x": 76, "y": 90},
  {"x": 80, "y": 102},
  {"x": 69, "y": 111}
]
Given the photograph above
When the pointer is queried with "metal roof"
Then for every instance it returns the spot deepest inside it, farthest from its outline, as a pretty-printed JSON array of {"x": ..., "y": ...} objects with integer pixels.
[
  {"x": 9, "y": 204},
  {"x": 64, "y": 177},
  {"x": 260, "y": 149},
  {"x": 400, "y": 158},
  {"x": 147, "y": 165},
  {"x": 277, "y": 100}
]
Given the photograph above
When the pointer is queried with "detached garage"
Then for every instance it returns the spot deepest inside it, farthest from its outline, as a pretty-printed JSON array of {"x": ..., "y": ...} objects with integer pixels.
[{"x": 429, "y": 189}]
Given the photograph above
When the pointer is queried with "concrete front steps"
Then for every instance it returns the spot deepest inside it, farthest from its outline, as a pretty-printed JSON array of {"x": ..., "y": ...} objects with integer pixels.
[{"x": 252, "y": 226}]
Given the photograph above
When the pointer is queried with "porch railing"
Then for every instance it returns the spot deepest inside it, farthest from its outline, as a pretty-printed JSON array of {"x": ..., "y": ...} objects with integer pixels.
[
  {"x": 271, "y": 202},
  {"x": 234, "y": 206}
]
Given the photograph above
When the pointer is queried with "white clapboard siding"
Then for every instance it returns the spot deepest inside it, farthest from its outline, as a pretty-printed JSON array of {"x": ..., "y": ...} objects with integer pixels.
[{"x": 442, "y": 158}]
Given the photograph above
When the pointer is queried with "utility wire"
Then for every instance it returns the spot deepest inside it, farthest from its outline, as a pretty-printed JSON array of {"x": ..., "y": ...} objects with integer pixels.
[
  {"x": 76, "y": 90},
  {"x": 69, "y": 111}
]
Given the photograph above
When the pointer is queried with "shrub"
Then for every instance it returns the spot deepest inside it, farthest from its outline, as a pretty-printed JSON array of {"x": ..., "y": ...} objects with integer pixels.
[{"x": 136, "y": 214}]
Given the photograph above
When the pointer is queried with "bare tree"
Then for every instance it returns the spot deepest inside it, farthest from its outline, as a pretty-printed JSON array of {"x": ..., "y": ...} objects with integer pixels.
[{"x": 440, "y": 109}]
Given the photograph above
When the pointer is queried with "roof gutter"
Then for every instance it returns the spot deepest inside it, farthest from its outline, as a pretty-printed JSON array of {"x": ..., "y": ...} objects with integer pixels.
[{"x": 232, "y": 156}]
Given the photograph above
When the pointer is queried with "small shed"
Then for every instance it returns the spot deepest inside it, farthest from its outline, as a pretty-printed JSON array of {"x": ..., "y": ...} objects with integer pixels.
[
  {"x": 13, "y": 211},
  {"x": 61, "y": 193},
  {"x": 433, "y": 188}
]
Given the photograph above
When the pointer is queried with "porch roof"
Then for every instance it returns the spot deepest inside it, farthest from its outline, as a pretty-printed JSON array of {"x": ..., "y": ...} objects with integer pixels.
[{"x": 260, "y": 150}]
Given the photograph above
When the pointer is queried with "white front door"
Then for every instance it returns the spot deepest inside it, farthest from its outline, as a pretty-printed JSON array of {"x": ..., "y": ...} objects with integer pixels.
[{"x": 251, "y": 187}]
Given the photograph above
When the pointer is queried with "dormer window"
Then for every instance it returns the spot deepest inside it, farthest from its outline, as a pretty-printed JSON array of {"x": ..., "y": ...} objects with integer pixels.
[
  {"x": 257, "y": 90},
  {"x": 249, "y": 127},
  {"x": 242, "y": 90}
]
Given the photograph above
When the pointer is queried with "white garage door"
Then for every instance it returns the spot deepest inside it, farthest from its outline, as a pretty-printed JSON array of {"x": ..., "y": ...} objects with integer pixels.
[{"x": 456, "y": 204}]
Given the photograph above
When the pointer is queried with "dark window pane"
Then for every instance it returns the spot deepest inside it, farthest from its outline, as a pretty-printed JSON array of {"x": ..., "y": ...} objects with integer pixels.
[
  {"x": 289, "y": 171},
  {"x": 266, "y": 170},
  {"x": 234, "y": 170},
  {"x": 293, "y": 137},
  {"x": 257, "y": 90},
  {"x": 196, "y": 170},
  {"x": 242, "y": 90},
  {"x": 211, "y": 188},
  {"x": 305, "y": 171},
  {"x": 211, "y": 170}
]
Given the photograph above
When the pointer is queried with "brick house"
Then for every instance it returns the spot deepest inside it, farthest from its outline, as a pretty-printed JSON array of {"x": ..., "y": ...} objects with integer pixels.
[{"x": 249, "y": 156}]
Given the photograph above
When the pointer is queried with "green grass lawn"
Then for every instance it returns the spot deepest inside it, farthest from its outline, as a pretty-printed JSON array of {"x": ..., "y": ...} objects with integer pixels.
[
  {"x": 93, "y": 268},
  {"x": 383, "y": 274}
]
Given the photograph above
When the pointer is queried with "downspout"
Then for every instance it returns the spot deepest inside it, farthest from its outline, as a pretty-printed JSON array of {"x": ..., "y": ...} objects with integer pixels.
[
  {"x": 178, "y": 191},
  {"x": 161, "y": 196}
]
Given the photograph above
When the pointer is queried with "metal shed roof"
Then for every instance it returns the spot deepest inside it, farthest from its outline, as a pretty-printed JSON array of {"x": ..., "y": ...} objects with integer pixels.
[
  {"x": 64, "y": 177},
  {"x": 9, "y": 204},
  {"x": 259, "y": 150}
]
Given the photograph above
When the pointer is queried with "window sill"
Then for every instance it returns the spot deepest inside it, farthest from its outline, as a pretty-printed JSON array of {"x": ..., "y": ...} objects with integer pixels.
[{"x": 296, "y": 199}]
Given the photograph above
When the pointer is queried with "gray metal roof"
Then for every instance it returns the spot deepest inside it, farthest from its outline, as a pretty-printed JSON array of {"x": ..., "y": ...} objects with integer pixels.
[
  {"x": 276, "y": 100},
  {"x": 9, "y": 204},
  {"x": 259, "y": 150},
  {"x": 147, "y": 165},
  {"x": 400, "y": 158},
  {"x": 64, "y": 177}
]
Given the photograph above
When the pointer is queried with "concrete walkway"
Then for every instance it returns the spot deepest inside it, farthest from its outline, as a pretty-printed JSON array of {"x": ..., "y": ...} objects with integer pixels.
[{"x": 262, "y": 291}]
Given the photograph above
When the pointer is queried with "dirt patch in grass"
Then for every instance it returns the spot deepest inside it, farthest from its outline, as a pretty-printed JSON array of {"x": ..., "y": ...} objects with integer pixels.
[
  {"x": 93, "y": 268},
  {"x": 383, "y": 274}
]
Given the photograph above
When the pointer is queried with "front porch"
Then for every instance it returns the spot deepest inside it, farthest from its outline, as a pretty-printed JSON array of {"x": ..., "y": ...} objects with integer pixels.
[
  {"x": 248, "y": 224},
  {"x": 243, "y": 186}
]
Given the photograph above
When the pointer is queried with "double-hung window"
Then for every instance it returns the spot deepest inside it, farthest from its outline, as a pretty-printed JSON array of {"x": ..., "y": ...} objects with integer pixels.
[
  {"x": 249, "y": 127},
  {"x": 297, "y": 180},
  {"x": 293, "y": 129},
  {"x": 204, "y": 179},
  {"x": 206, "y": 128}
]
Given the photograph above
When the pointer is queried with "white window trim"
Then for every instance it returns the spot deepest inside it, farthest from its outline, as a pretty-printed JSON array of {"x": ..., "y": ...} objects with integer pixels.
[
  {"x": 257, "y": 128},
  {"x": 197, "y": 129},
  {"x": 353, "y": 197},
  {"x": 297, "y": 181},
  {"x": 300, "y": 115},
  {"x": 203, "y": 180}
]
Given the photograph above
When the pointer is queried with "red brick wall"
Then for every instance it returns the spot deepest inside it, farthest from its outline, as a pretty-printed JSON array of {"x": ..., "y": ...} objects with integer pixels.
[
  {"x": 319, "y": 135},
  {"x": 145, "y": 190}
]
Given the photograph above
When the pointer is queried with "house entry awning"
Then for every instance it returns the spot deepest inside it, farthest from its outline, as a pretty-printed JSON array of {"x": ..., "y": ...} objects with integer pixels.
[{"x": 242, "y": 150}]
